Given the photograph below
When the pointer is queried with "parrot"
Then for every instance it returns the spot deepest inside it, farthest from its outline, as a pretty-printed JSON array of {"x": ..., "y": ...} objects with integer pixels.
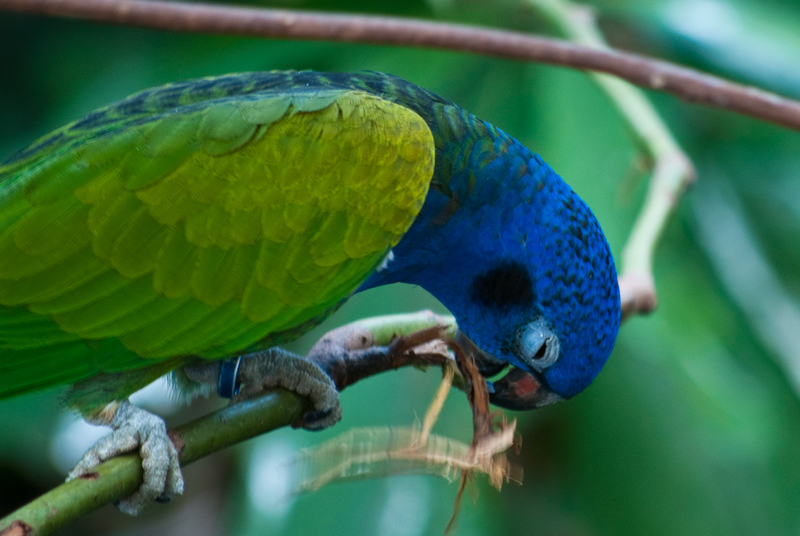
[{"x": 191, "y": 224}]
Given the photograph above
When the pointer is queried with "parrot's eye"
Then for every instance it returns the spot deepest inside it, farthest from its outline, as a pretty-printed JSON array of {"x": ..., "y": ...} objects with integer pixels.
[
  {"x": 538, "y": 345},
  {"x": 547, "y": 354}
]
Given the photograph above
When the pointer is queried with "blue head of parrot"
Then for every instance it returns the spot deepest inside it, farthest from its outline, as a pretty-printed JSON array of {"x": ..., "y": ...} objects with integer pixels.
[{"x": 521, "y": 262}]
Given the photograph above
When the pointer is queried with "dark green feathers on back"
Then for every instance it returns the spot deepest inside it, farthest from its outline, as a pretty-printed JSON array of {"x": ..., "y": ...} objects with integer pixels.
[{"x": 201, "y": 219}]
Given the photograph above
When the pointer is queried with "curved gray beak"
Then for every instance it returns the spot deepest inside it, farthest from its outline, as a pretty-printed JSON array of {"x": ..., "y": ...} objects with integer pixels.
[{"x": 517, "y": 390}]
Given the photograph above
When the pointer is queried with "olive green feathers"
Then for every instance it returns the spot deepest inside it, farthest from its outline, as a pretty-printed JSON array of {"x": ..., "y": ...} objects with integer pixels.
[{"x": 199, "y": 230}]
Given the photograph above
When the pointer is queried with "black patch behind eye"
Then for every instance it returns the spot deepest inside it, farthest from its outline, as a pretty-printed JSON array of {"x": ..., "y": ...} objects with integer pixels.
[{"x": 507, "y": 285}]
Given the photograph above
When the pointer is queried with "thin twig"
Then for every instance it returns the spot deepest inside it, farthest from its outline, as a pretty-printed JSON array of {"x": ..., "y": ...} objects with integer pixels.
[
  {"x": 376, "y": 452},
  {"x": 685, "y": 83},
  {"x": 437, "y": 403}
]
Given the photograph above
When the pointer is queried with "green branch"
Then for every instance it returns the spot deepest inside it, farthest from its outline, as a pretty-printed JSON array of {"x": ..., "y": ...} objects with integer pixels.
[{"x": 121, "y": 476}]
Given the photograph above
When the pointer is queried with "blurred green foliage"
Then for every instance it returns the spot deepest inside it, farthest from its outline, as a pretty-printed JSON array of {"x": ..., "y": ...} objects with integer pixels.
[{"x": 694, "y": 426}]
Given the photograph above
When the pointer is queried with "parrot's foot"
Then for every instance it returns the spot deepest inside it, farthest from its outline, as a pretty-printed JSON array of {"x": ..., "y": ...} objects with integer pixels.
[
  {"x": 134, "y": 428},
  {"x": 277, "y": 368},
  {"x": 255, "y": 373}
]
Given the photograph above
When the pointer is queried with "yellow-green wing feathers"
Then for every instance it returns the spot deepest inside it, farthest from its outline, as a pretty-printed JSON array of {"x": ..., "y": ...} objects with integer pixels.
[{"x": 204, "y": 231}]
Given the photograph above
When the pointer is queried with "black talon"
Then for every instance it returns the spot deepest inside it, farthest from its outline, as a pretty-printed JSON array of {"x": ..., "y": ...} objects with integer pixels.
[{"x": 312, "y": 416}]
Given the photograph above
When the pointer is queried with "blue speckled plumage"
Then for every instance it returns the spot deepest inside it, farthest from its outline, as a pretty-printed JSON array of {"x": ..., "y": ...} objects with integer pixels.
[{"x": 503, "y": 203}]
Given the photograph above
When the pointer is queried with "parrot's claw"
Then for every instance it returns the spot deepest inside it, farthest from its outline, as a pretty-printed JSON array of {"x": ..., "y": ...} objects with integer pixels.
[
  {"x": 277, "y": 368},
  {"x": 134, "y": 428}
]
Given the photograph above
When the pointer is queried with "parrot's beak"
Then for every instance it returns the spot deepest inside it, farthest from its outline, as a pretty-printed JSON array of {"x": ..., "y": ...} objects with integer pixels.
[
  {"x": 517, "y": 390},
  {"x": 520, "y": 390}
]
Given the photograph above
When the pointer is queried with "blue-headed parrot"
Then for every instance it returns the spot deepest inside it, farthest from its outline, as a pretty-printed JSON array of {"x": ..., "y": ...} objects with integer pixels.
[{"x": 207, "y": 219}]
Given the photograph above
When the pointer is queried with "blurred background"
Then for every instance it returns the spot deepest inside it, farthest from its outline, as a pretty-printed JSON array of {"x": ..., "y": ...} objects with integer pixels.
[{"x": 694, "y": 425}]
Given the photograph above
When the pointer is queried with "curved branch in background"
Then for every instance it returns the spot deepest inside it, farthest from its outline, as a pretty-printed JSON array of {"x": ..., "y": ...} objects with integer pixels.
[{"x": 685, "y": 83}]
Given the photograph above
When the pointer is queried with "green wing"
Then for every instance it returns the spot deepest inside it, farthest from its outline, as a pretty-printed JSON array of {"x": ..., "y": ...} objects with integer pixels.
[{"x": 199, "y": 231}]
